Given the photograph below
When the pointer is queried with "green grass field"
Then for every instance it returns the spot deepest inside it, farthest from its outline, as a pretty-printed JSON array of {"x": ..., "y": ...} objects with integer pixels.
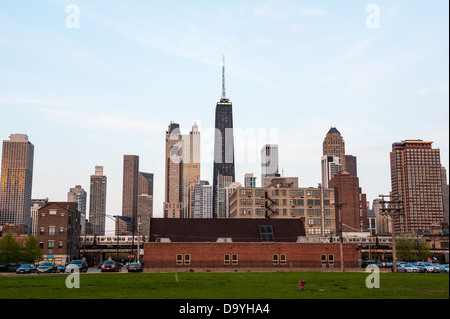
[{"x": 238, "y": 285}]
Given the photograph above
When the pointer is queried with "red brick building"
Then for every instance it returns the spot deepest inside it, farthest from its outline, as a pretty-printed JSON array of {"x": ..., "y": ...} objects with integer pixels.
[
  {"x": 239, "y": 243},
  {"x": 58, "y": 231},
  {"x": 352, "y": 210}
]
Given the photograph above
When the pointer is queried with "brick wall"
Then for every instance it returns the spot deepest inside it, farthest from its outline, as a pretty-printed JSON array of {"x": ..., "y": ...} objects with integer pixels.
[{"x": 254, "y": 255}]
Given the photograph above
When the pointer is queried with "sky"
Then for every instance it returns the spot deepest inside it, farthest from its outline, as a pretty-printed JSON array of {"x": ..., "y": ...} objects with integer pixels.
[{"x": 91, "y": 81}]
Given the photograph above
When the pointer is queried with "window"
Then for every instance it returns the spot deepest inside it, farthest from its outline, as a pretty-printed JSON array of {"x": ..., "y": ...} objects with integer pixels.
[
  {"x": 323, "y": 260},
  {"x": 266, "y": 233},
  {"x": 52, "y": 211},
  {"x": 61, "y": 230},
  {"x": 51, "y": 230},
  {"x": 234, "y": 259},
  {"x": 42, "y": 231},
  {"x": 275, "y": 259},
  {"x": 279, "y": 259},
  {"x": 226, "y": 259},
  {"x": 183, "y": 259},
  {"x": 331, "y": 259},
  {"x": 60, "y": 245},
  {"x": 51, "y": 244}
]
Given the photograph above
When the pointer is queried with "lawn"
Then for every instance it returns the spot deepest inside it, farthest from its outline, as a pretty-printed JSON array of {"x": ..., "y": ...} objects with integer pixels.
[{"x": 238, "y": 285}]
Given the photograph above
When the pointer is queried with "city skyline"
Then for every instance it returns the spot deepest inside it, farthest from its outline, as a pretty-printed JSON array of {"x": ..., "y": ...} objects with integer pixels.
[{"x": 87, "y": 96}]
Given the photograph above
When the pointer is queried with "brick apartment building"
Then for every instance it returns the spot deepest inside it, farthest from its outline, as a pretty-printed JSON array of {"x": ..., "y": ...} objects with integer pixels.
[
  {"x": 58, "y": 231},
  {"x": 231, "y": 243},
  {"x": 352, "y": 202}
]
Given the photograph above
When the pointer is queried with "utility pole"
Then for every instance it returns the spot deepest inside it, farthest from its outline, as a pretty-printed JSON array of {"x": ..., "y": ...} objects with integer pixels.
[
  {"x": 394, "y": 210},
  {"x": 341, "y": 244}
]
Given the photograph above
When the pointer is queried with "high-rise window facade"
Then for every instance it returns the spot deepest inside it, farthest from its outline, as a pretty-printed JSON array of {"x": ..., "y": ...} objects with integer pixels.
[
  {"x": 97, "y": 201},
  {"x": 416, "y": 180},
  {"x": 16, "y": 180}
]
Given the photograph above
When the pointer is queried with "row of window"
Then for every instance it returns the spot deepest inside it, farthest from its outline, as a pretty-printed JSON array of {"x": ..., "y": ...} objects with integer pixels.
[
  {"x": 51, "y": 244},
  {"x": 283, "y": 192},
  {"x": 293, "y": 202},
  {"x": 230, "y": 259},
  {"x": 284, "y": 211},
  {"x": 51, "y": 230}
]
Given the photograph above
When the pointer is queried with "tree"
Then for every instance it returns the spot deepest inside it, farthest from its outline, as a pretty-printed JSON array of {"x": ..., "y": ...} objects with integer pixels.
[
  {"x": 31, "y": 252},
  {"x": 411, "y": 249},
  {"x": 9, "y": 250}
]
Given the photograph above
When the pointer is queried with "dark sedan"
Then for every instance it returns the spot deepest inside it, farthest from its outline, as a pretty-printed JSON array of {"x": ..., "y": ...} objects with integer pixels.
[
  {"x": 135, "y": 267},
  {"x": 47, "y": 267},
  {"x": 26, "y": 269}
]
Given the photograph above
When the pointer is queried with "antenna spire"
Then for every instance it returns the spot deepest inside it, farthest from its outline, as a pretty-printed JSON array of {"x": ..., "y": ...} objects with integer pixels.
[
  {"x": 223, "y": 78},
  {"x": 224, "y": 97}
]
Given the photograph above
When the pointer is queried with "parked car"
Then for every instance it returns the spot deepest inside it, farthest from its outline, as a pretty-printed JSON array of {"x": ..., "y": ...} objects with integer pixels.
[
  {"x": 26, "y": 269},
  {"x": 47, "y": 267},
  {"x": 110, "y": 265},
  {"x": 61, "y": 268},
  {"x": 80, "y": 264},
  {"x": 426, "y": 267},
  {"x": 407, "y": 268},
  {"x": 443, "y": 269},
  {"x": 135, "y": 267},
  {"x": 100, "y": 265}
]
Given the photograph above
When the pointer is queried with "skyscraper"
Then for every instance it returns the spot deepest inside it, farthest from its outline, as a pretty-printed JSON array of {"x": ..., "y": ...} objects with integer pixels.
[
  {"x": 202, "y": 200},
  {"x": 269, "y": 161},
  {"x": 78, "y": 195},
  {"x": 223, "y": 170},
  {"x": 191, "y": 166},
  {"x": 97, "y": 202},
  {"x": 416, "y": 180},
  {"x": 145, "y": 181},
  {"x": 130, "y": 189},
  {"x": 334, "y": 145},
  {"x": 331, "y": 165},
  {"x": 249, "y": 180},
  {"x": 351, "y": 165},
  {"x": 16, "y": 180},
  {"x": 173, "y": 203}
]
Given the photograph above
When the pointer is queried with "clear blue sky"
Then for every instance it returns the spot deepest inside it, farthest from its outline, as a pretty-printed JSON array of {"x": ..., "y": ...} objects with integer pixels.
[{"x": 86, "y": 96}]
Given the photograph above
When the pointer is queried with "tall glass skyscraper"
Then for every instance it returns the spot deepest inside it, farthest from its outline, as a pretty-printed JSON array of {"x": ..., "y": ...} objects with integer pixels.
[
  {"x": 224, "y": 173},
  {"x": 16, "y": 180}
]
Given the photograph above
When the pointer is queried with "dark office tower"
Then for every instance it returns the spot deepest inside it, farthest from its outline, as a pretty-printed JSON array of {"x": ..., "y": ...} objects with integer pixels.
[
  {"x": 97, "y": 202},
  {"x": 351, "y": 166},
  {"x": 416, "y": 180},
  {"x": 130, "y": 189},
  {"x": 16, "y": 181},
  {"x": 173, "y": 199},
  {"x": 334, "y": 145},
  {"x": 223, "y": 174}
]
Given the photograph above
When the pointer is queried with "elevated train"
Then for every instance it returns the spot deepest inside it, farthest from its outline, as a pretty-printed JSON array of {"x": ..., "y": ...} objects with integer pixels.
[{"x": 107, "y": 241}]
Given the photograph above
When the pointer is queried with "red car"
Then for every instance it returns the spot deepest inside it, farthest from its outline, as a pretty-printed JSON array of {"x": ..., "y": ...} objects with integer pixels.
[{"x": 110, "y": 265}]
